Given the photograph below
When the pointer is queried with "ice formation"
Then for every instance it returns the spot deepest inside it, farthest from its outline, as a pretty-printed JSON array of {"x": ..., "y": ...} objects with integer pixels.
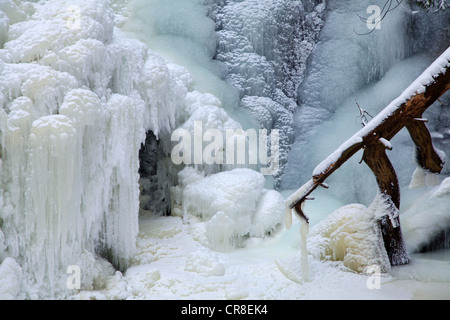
[
  {"x": 78, "y": 98},
  {"x": 304, "y": 231},
  {"x": 427, "y": 219},
  {"x": 350, "y": 234},
  {"x": 417, "y": 87},
  {"x": 347, "y": 68},
  {"x": 77, "y": 101},
  {"x": 234, "y": 205},
  {"x": 265, "y": 46},
  {"x": 10, "y": 279},
  {"x": 69, "y": 161}
]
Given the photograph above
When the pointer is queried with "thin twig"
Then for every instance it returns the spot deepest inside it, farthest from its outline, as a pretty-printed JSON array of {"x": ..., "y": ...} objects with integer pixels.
[{"x": 363, "y": 114}]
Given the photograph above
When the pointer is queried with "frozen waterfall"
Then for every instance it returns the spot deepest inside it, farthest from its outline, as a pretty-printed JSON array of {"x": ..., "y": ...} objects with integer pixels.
[
  {"x": 77, "y": 98},
  {"x": 92, "y": 91}
]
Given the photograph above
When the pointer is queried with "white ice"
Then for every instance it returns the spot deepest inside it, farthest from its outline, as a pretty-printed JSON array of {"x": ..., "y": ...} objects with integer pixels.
[{"x": 77, "y": 97}]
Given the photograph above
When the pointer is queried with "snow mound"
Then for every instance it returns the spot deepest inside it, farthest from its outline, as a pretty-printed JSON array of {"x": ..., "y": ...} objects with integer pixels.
[
  {"x": 233, "y": 205},
  {"x": 350, "y": 234}
]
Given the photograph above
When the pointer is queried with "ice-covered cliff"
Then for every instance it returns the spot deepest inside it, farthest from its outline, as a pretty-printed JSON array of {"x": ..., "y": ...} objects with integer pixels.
[
  {"x": 265, "y": 46},
  {"x": 85, "y": 130}
]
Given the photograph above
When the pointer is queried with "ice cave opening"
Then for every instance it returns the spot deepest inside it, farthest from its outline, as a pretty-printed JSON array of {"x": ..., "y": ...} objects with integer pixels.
[{"x": 154, "y": 187}]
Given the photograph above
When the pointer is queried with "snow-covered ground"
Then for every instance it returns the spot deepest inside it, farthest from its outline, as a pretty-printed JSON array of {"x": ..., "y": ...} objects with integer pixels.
[{"x": 174, "y": 263}]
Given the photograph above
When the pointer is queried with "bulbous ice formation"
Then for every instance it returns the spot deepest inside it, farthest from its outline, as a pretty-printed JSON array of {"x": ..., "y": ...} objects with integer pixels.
[{"x": 233, "y": 205}]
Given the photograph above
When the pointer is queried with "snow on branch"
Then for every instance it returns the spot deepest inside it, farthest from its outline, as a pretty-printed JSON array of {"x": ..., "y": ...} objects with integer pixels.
[{"x": 401, "y": 112}]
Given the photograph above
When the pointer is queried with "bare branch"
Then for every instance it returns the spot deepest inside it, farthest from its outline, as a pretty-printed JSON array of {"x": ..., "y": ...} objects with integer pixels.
[{"x": 363, "y": 115}]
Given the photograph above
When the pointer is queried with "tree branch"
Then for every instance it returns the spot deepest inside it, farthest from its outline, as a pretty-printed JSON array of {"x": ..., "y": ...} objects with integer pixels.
[{"x": 405, "y": 111}]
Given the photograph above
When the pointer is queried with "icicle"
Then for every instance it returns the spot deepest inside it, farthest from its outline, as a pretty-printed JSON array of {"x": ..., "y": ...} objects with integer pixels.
[
  {"x": 304, "y": 230},
  {"x": 288, "y": 217}
]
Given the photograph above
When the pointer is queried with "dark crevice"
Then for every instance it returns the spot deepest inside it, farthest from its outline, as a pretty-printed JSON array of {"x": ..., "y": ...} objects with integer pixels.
[
  {"x": 440, "y": 241},
  {"x": 154, "y": 187}
]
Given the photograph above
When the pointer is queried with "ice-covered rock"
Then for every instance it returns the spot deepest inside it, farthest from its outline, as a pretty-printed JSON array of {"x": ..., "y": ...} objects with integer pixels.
[
  {"x": 352, "y": 235},
  {"x": 233, "y": 204}
]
